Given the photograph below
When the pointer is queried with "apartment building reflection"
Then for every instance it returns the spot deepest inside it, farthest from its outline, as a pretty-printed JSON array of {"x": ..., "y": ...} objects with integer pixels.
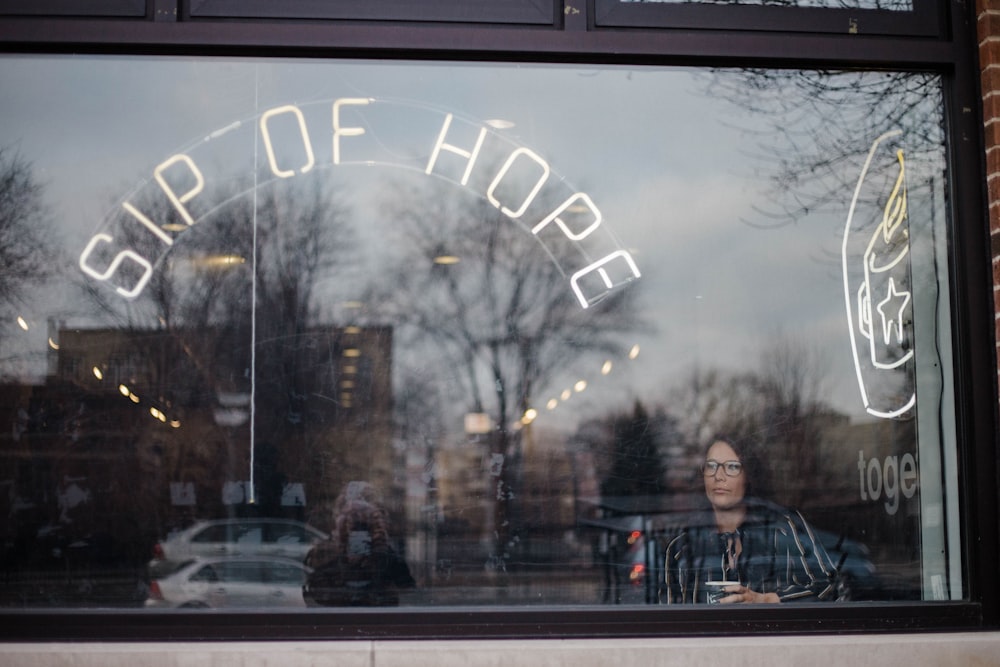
[{"x": 135, "y": 433}]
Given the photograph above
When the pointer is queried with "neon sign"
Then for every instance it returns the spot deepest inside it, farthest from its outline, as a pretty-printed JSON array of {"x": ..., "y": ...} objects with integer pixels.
[
  {"x": 291, "y": 140},
  {"x": 877, "y": 282}
]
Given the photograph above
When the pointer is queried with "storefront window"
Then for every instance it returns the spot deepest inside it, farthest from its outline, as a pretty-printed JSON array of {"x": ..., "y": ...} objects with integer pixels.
[{"x": 474, "y": 327}]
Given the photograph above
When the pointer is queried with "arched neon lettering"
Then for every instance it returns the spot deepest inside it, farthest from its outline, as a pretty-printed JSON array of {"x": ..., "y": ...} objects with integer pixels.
[
  {"x": 554, "y": 216},
  {"x": 179, "y": 201},
  {"x": 599, "y": 266},
  {"x": 341, "y": 131},
  {"x": 514, "y": 189},
  {"x": 269, "y": 145},
  {"x": 115, "y": 263},
  {"x": 503, "y": 172},
  {"x": 440, "y": 145},
  {"x": 148, "y": 224}
]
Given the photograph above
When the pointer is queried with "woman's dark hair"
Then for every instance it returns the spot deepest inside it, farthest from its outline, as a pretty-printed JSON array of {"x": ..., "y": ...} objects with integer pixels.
[{"x": 756, "y": 471}]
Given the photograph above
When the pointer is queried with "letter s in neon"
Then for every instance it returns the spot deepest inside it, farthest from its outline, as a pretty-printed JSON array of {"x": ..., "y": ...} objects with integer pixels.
[{"x": 115, "y": 263}]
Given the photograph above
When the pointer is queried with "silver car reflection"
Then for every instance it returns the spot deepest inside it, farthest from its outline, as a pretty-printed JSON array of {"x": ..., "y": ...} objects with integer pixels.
[
  {"x": 284, "y": 538},
  {"x": 231, "y": 582}
]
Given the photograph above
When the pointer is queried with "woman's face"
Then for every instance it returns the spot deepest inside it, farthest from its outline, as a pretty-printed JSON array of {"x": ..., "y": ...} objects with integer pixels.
[{"x": 724, "y": 492}]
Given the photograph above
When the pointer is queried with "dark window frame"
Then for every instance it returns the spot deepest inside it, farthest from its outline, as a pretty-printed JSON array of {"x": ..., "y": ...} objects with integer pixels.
[
  {"x": 531, "y": 12},
  {"x": 118, "y": 8},
  {"x": 576, "y": 37}
]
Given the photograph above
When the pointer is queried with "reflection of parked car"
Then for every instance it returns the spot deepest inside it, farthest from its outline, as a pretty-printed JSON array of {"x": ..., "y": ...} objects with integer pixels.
[
  {"x": 231, "y": 582},
  {"x": 234, "y": 537}
]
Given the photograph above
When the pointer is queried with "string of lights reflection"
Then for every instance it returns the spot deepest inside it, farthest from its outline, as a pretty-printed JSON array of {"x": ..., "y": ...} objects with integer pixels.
[
  {"x": 348, "y": 383},
  {"x": 531, "y": 414},
  {"x": 123, "y": 389},
  {"x": 154, "y": 411}
]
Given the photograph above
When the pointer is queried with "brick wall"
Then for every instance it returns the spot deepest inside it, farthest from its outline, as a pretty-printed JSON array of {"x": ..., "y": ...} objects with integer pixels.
[{"x": 988, "y": 30}]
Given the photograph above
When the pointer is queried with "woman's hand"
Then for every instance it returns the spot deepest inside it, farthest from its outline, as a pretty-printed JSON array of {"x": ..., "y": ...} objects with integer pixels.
[{"x": 741, "y": 594}]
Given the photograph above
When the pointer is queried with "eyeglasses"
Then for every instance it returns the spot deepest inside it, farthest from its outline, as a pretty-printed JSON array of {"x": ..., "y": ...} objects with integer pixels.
[{"x": 732, "y": 468}]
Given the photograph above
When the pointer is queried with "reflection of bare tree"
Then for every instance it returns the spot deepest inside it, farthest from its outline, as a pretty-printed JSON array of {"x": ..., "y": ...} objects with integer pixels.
[
  {"x": 815, "y": 128},
  {"x": 480, "y": 295},
  {"x": 297, "y": 235},
  {"x": 249, "y": 272},
  {"x": 712, "y": 400},
  {"x": 780, "y": 405},
  {"x": 23, "y": 225}
]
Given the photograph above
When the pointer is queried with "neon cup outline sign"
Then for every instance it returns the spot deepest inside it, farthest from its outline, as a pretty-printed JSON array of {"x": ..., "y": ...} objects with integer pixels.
[
  {"x": 291, "y": 140},
  {"x": 877, "y": 293}
]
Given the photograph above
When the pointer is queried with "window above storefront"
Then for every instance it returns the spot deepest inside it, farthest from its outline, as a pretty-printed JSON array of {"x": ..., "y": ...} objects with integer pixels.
[{"x": 850, "y": 18}]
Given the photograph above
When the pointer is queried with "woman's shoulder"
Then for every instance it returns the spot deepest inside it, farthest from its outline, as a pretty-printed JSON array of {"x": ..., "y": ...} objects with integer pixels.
[{"x": 760, "y": 511}]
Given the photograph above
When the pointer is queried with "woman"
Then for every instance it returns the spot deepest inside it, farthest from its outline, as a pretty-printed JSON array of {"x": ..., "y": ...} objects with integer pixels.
[{"x": 763, "y": 552}]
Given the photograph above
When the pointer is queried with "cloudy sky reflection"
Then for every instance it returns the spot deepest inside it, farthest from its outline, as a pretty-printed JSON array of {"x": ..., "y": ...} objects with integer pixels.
[{"x": 667, "y": 165}]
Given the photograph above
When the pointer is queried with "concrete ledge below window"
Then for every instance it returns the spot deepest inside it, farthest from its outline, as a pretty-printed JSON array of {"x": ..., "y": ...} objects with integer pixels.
[{"x": 909, "y": 650}]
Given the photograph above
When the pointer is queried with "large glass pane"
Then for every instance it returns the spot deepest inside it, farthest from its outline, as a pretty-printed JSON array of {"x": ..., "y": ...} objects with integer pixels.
[{"x": 449, "y": 334}]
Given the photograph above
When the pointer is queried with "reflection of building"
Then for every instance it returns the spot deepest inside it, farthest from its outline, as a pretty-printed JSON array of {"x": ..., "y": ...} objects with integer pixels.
[
  {"x": 463, "y": 483},
  {"x": 170, "y": 413},
  {"x": 868, "y": 489},
  {"x": 542, "y": 512}
]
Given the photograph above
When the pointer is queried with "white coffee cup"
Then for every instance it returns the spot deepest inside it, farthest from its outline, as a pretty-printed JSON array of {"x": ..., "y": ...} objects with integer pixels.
[{"x": 716, "y": 590}]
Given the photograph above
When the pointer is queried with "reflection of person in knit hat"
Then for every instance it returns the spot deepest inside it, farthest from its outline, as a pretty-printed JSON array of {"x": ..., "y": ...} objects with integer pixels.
[{"x": 357, "y": 565}]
